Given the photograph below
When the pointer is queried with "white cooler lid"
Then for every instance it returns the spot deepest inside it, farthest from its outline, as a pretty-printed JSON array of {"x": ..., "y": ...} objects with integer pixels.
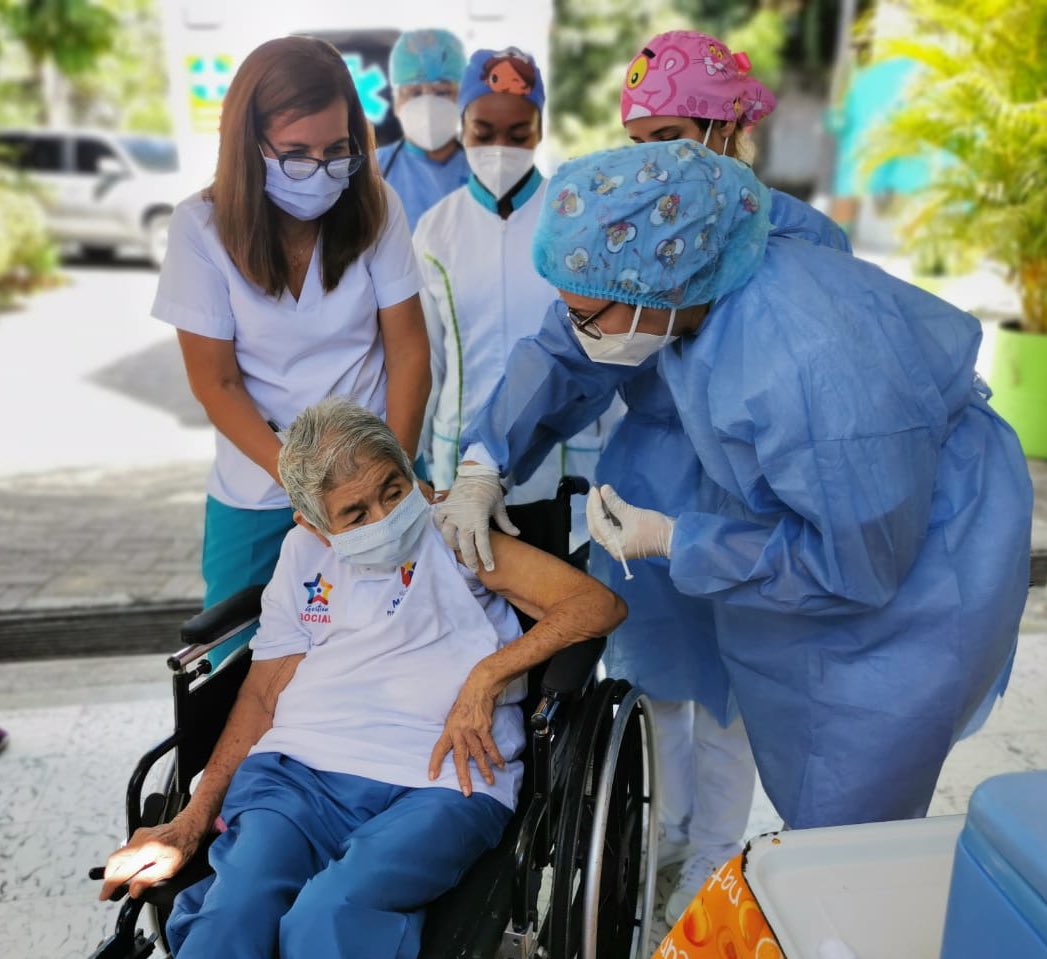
[{"x": 881, "y": 889}]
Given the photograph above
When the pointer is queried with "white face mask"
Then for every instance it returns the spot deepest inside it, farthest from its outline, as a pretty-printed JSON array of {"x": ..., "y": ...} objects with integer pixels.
[
  {"x": 389, "y": 542},
  {"x": 429, "y": 121},
  {"x": 499, "y": 169},
  {"x": 626, "y": 349}
]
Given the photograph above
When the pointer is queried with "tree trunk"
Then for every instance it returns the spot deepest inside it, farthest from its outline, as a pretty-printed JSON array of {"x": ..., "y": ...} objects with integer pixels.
[
  {"x": 54, "y": 94},
  {"x": 1032, "y": 287}
]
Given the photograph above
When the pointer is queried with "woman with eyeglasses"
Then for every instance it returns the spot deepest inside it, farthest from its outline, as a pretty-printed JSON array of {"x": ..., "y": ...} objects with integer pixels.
[
  {"x": 290, "y": 278},
  {"x": 845, "y": 513}
]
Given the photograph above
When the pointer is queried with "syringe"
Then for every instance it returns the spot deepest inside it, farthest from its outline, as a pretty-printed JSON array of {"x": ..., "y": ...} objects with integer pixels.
[{"x": 617, "y": 524}]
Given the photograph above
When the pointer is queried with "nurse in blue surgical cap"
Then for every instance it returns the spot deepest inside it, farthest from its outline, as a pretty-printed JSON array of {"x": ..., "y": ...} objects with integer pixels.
[
  {"x": 428, "y": 162},
  {"x": 855, "y": 540}
]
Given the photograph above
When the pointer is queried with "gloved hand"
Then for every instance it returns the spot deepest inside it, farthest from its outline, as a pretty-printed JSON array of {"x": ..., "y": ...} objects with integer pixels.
[
  {"x": 464, "y": 516},
  {"x": 643, "y": 532}
]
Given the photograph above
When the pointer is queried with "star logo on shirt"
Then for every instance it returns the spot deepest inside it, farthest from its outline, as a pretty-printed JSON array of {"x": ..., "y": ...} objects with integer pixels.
[{"x": 319, "y": 590}]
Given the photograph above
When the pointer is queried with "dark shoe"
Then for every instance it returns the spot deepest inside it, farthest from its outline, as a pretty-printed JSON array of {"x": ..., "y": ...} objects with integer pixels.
[{"x": 4, "y": 738}]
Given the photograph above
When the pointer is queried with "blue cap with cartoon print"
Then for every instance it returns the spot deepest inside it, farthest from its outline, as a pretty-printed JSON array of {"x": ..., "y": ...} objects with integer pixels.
[
  {"x": 668, "y": 224},
  {"x": 502, "y": 71}
]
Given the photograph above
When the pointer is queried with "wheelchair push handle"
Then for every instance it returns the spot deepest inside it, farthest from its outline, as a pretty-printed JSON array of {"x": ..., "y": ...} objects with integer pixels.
[
  {"x": 214, "y": 625},
  {"x": 571, "y": 485}
]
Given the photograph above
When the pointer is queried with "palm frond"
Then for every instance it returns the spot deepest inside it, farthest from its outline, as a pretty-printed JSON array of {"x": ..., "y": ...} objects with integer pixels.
[{"x": 978, "y": 105}]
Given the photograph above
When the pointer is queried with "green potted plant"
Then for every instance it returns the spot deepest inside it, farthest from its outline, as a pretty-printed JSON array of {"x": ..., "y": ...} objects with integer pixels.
[{"x": 980, "y": 102}]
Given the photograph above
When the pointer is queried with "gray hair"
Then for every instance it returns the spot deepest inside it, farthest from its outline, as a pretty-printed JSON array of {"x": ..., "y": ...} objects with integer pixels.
[{"x": 325, "y": 447}]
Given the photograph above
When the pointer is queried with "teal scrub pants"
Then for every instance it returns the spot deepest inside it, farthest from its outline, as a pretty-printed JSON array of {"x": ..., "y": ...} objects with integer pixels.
[
  {"x": 321, "y": 865},
  {"x": 241, "y": 547}
]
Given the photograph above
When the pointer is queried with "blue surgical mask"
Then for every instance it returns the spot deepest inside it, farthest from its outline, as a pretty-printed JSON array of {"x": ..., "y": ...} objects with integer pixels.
[
  {"x": 389, "y": 542},
  {"x": 302, "y": 199}
]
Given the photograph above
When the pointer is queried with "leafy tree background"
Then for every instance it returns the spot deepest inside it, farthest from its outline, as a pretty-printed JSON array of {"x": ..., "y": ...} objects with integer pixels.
[
  {"x": 91, "y": 62},
  {"x": 83, "y": 62},
  {"x": 593, "y": 42}
]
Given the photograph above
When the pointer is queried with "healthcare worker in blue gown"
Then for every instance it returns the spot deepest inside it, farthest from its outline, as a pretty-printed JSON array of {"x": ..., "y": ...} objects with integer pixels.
[
  {"x": 427, "y": 162},
  {"x": 707, "y": 772},
  {"x": 853, "y": 533}
]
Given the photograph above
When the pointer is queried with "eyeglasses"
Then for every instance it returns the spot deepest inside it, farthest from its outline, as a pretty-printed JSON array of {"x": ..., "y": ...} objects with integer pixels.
[
  {"x": 411, "y": 90},
  {"x": 299, "y": 167},
  {"x": 587, "y": 324}
]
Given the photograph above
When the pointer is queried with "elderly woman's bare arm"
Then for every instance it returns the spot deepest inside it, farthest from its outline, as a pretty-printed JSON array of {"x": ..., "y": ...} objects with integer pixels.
[
  {"x": 569, "y": 607},
  {"x": 158, "y": 852}
]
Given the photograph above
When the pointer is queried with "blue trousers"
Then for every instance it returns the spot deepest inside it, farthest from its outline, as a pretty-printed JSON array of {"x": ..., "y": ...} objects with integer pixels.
[
  {"x": 241, "y": 547},
  {"x": 319, "y": 865}
]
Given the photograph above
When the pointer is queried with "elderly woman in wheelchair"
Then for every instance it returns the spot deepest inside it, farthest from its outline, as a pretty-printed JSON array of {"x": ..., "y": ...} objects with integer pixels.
[{"x": 379, "y": 656}]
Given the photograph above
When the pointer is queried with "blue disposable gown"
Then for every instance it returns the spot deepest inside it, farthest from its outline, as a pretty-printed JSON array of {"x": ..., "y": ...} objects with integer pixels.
[
  {"x": 858, "y": 525},
  {"x": 420, "y": 182},
  {"x": 684, "y": 663}
]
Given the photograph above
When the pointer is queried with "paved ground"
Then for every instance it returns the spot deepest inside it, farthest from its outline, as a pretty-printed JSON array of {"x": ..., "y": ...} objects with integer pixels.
[{"x": 102, "y": 465}]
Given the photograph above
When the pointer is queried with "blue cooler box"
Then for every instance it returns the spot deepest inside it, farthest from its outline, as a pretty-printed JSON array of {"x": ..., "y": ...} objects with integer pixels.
[{"x": 998, "y": 896}]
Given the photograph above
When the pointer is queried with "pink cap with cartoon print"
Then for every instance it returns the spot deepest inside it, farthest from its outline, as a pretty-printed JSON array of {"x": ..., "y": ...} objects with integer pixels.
[{"x": 684, "y": 73}]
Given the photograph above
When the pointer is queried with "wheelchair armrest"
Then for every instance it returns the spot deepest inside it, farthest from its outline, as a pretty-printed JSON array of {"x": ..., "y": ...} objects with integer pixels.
[
  {"x": 571, "y": 668},
  {"x": 216, "y": 624},
  {"x": 163, "y": 893}
]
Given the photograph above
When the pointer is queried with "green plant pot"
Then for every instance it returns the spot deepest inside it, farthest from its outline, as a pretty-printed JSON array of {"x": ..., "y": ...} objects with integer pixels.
[{"x": 1019, "y": 385}]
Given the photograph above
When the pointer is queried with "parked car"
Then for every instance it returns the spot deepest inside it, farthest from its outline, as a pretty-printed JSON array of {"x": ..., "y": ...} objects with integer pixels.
[{"x": 100, "y": 190}]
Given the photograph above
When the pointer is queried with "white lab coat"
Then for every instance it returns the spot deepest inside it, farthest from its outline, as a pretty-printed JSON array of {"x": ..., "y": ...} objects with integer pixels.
[{"x": 481, "y": 293}]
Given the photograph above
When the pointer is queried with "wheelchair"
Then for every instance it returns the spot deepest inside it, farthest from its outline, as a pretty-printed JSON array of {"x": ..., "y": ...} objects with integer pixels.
[{"x": 574, "y": 874}]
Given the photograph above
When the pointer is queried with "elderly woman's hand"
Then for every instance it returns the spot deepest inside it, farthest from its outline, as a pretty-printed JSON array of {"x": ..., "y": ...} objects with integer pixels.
[
  {"x": 151, "y": 854},
  {"x": 467, "y": 732}
]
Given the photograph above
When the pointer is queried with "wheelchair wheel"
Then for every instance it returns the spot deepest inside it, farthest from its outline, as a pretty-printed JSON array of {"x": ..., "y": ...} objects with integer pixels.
[
  {"x": 623, "y": 845},
  {"x": 602, "y": 837},
  {"x": 574, "y": 830}
]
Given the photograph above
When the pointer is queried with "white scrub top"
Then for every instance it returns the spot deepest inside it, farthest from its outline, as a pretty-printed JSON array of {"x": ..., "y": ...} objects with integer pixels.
[
  {"x": 386, "y": 654},
  {"x": 291, "y": 353},
  {"x": 481, "y": 294}
]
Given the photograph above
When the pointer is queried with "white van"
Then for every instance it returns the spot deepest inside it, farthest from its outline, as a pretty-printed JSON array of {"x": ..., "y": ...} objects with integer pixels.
[{"x": 100, "y": 190}]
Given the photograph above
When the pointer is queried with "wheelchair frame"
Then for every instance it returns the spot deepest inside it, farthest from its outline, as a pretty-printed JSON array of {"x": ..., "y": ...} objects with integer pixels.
[{"x": 587, "y": 811}]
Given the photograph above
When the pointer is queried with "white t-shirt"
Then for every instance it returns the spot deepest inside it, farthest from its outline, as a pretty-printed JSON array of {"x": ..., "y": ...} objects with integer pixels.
[
  {"x": 385, "y": 657},
  {"x": 291, "y": 353}
]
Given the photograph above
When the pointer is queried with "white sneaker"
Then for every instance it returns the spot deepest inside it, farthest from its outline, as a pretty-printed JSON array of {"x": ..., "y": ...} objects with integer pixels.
[
  {"x": 695, "y": 870},
  {"x": 674, "y": 845}
]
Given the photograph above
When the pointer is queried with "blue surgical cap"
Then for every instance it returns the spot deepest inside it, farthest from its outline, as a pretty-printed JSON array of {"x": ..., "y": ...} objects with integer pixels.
[
  {"x": 659, "y": 224},
  {"x": 426, "y": 56},
  {"x": 502, "y": 71}
]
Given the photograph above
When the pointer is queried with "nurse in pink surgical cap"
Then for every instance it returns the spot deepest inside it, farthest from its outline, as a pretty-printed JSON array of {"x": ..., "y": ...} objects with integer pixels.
[{"x": 689, "y": 85}]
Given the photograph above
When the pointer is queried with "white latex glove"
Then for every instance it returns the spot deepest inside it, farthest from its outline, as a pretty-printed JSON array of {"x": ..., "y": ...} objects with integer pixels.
[
  {"x": 643, "y": 532},
  {"x": 464, "y": 517}
]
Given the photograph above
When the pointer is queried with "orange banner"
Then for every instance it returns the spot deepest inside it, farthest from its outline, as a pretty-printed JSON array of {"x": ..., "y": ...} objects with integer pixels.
[{"x": 722, "y": 922}]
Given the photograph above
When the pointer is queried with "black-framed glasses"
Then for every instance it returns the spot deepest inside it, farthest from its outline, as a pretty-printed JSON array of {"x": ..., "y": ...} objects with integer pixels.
[
  {"x": 298, "y": 167},
  {"x": 587, "y": 324}
]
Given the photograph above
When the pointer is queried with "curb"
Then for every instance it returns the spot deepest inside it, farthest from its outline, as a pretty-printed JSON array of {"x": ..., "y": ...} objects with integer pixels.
[{"x": 94, "y": 631}]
